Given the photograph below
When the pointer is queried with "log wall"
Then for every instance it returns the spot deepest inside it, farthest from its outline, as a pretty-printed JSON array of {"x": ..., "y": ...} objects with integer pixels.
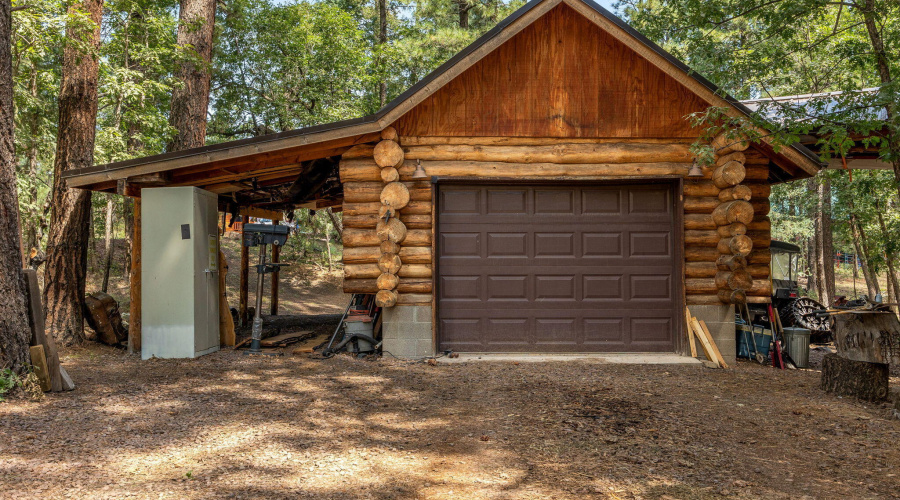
[{"x": 546, "y": 159}]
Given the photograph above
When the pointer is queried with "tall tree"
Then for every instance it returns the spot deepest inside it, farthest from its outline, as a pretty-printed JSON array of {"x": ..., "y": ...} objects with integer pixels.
[
  {"x": 14, "y": 332},
  {"x": 190, "y": 100},
  {"x": 67, "y": 244}
]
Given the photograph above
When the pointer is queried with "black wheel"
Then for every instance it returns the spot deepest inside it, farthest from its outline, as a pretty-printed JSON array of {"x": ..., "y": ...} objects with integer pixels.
[{"x": 797, "y": 313}]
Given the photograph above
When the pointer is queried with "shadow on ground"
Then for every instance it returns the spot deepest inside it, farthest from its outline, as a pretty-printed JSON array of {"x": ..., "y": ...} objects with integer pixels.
[{"x": 232, "y": 426}]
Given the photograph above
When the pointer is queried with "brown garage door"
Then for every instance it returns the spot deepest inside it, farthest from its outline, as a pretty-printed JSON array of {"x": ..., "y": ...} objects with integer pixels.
[{"x": 556, "y": 268}]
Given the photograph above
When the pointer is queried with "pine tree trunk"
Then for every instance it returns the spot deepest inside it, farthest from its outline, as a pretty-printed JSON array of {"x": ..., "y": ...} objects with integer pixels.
[
  {"x": 190, "y": 100},
  {"x": 889, "y": 257},
  {"x": 382, "y": 39},
  {"x": 67, "y": 244},
  {"x": 463, "y": 8},
  {"x": 15, "y": 334},
  {"x": 107, "y": 241},
  {"x": 824, "y": 242},
  {"x": 871, "y": 283}
]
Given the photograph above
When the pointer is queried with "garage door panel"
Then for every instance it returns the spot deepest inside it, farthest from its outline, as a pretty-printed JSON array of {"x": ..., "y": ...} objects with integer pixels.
[{"x": 556, "y": 269}]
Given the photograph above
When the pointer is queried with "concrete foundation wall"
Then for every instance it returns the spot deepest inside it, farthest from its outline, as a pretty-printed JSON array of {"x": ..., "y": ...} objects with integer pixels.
[
  {"x": 720, "y": 321},
  {"x": 406, "y": 331}
]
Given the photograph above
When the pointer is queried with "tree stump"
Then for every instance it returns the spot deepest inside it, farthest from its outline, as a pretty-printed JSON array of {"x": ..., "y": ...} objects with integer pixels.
[{"x": 844, "y": 377}]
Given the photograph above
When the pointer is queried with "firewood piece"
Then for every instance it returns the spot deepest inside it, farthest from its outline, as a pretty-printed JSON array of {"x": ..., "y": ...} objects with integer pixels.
[
  {"x": 389, "y": 263},
  {"x": 67, "y": 383},
  {"x": 387, "y": 281},
  {"x": 731, "y": 230},
  {"x": 391, "y": 230},
  {"x": 388, "y": 154},
  {"x": 389, "y": 246},
  {"x": 395, "y": 195},
  {"x": 738, "y": 192},
  {"x": 41, "y": 370},
  {"x": 731, "y": 262},
  {"x": 712, "y": 344},
  {"x": 729, "y": 174},
  {"x": 859, "y": 379},
  {"x": 726, "y": 142},
  {"x": 390, "y": 174},
  {"x": 736, "y": 156},
  {"x": 39, "y": 334},
  {"x": 733, "y": 211},
  {"x": 739, "y": 279},
  {"x": 386, "y": 298},
  {"x": 736, "y": 245},
  {"x": 390, "y": 134}
]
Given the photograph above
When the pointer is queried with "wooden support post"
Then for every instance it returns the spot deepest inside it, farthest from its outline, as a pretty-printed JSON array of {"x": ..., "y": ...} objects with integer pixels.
[
  {"x": 273, "y": 306},
  {"x": 245, "y": 282},
  {"x": 134, "y": 321}
]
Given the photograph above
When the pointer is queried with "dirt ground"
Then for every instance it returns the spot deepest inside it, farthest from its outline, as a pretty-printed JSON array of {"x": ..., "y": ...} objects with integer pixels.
[{"x": 232, "y": 426}]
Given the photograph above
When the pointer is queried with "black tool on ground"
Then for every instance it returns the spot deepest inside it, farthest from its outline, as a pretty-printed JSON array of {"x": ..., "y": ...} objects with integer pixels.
[
  {"x": 358, "y": 325},
  {"x": 262, "y": 235}
]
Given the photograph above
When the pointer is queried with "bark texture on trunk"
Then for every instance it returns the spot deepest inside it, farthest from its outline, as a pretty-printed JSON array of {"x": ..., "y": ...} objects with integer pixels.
[
  {"x": 15, "y": 336},
  {"x": 190, "y": 100},
  {"x": 67, "y": 243},
  {"x": 824, "y": 243},
  {"x": 382, "y": 39},
  {"x": 859, "y": 245},
  {"x": 463, "y": 8}
]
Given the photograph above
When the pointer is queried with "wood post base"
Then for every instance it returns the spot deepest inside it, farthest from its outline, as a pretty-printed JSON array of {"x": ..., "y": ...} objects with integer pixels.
[{"x": 844, "y": 377}]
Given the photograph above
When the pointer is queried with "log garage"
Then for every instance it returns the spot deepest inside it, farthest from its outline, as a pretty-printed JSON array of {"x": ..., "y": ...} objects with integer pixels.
[{"x": 530, "y": 195}]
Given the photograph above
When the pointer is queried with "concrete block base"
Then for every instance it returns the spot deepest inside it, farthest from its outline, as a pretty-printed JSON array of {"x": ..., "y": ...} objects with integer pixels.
[
  {"x": 406, "y": 331},
  {"x": 720, "y": 321}
]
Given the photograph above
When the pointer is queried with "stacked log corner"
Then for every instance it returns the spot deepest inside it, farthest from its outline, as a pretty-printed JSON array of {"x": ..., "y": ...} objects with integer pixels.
[
  {"x": 387, "y": 221},
  {"x": 727, "y": 230}
]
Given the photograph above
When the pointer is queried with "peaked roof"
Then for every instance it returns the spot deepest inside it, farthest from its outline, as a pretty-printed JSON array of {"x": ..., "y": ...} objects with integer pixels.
[{"x": 797, "y": 160}]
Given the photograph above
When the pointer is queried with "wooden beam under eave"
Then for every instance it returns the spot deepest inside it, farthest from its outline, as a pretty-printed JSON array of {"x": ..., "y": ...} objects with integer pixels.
[{"x": 213, "y": 174}]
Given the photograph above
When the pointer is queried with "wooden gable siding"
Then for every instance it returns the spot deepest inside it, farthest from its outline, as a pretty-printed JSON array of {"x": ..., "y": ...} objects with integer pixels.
[{"x": 562, "y": 76}]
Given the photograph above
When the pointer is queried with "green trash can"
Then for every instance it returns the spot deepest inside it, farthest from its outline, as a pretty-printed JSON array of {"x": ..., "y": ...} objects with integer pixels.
[{"x": 797, "y": 345}]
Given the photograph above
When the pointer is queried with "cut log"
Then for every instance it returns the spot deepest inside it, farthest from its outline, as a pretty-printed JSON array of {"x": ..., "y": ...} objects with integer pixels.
[
  {"x": 387, "y": 281},
  {"x": 41, "y": 369},
  {"x": 415, "y": 271},
  {"x": 709, "y": 269},
  {"x": 736, "y": 156},
  {"x": 390, "y": 230},
  {"x": 707, "y": 286},
  {"x": 416, "y": 208},
  {"x": 361, "y": 208},
  {"x": 389, "y": 174},
  {"x": 729, "y": 174},
  {"x": 728, "y": 142},
  {"x": 364, "y": 192},
  {"x": 388, "y": 154},
  {"x": 386, "y": 212},
  {"x": 736, "y": 245},
  {"x": 390, "y": 134},
  {"x": 732, "y": 296},
  {"x": 389, "y": 263},
  {"x": 386, "y": 298},
  {"x": 389, "y": 247},
  {"x": 395, "y": 195},
  {"x": 731, "y": 262},
  {"x": 738, "y": 192},
  {"x": 739, "y": 279},
  {"x": 361, "y": 255},
  {"x": 733, "y": 211},
  {"x": 708, "y": 204},
  {"x": 705, "y": 221},
  {"x": 731, "y": 230},
  {"x": 38, "y": 330},
  {"x": 858, "y": 379},
  {"x": 371, "y": 220},
  {"x": 409, "y": 255},
  {"x": 630, "y": 152},
  {"x": 361, "y": 271},
  {"x": 417, "y": 299},
  {"x": 708, "y": 189}
]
